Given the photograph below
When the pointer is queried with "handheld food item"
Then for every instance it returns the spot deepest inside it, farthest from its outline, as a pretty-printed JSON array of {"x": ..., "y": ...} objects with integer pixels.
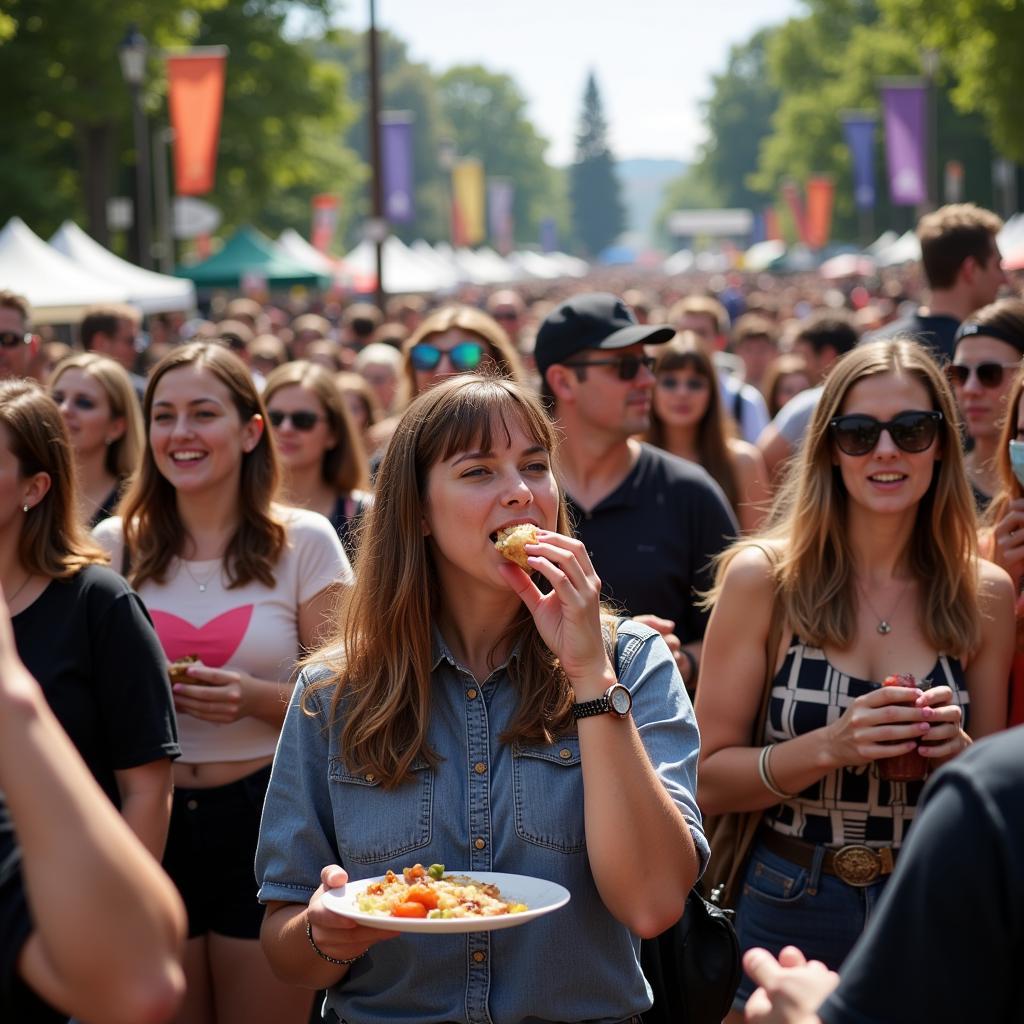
[
  {"x": 512, "y": 540},
  {"x": 909, "y": 767},
  {"x": 430, "y": 893},
  {"x": 178, "y": 669}
]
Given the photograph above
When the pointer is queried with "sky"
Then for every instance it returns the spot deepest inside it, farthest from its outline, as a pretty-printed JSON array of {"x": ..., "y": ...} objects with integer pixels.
[{"x": 653, "y": 58}]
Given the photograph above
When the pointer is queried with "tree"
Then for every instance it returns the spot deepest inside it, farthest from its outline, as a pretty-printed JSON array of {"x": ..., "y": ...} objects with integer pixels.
[{"x": 598, "y": 217}]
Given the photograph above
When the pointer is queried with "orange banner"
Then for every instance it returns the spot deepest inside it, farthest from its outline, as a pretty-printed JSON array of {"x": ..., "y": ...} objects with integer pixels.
[
  {"x": 820, "y": 194},
  {"x": 195, "y": 96},
  {"x": 468, "y": 203},
  {"x": 772, "y": 231}
]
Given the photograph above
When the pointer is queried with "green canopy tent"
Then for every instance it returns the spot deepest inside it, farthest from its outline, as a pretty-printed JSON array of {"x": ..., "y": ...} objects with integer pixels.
[{"x": 248, "y": 252}]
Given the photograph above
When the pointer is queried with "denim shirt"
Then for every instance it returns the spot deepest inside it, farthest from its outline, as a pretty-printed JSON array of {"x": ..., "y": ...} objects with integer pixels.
[{"x": 488, "y": 806}]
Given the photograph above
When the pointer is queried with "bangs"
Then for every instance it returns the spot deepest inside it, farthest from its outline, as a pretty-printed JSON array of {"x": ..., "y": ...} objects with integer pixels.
[
  {"x": 472, "y": 418},
  {"x": 681, "y": 361}
]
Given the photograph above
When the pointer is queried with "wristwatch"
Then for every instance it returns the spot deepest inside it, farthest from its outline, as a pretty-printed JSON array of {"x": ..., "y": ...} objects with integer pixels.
[{"x": 616, "y": 700}]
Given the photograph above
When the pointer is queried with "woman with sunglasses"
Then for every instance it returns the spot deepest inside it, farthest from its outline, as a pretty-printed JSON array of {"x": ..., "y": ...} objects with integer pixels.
[
  {"x": 687, "y": 420},
  {"x": 97, "y": 400},
  {"x": 477, "y": 722},
  {"x": 325, "y": 466},
  {"x": 989, "y": 345},
  {"x": 869, "y": 570},
  {"x": 238, "y": 588}
]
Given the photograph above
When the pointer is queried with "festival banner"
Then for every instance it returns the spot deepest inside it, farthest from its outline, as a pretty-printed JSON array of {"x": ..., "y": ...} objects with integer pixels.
[
  {"x": 904, "y": 104},
  {"x": 500, "y": 198},
  {"x": 548, "y": 235},
  {"x": 772, "y": 231},
  {"x": 397, "y": 171},
  {"x": 195, "y": 97},
  {"x": 859, "y": 130},
  {"x": 794, "y": 202},
  {"x": 324, "y": 221},
  {"x": 468, "y": 202},
  {"x": 820, "y": 196}
]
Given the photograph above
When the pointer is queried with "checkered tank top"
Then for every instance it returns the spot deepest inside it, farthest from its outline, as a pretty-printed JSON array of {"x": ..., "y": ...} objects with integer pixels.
[{"x": 852, "y": 805}]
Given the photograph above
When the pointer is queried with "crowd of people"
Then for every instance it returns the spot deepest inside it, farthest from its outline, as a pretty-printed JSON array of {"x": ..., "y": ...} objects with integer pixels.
[{"x": 249, "y": 562}]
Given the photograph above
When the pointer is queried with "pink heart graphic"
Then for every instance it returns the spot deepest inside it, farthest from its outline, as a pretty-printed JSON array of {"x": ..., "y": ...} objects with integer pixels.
[{"x": 215, "y": 643}]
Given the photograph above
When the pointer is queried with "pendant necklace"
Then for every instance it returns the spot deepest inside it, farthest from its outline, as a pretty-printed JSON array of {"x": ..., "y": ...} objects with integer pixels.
[
  {"x": 11, "y": 597},
  {"x": 202, "y": 584},
  {"x": 883, "y": 627}
]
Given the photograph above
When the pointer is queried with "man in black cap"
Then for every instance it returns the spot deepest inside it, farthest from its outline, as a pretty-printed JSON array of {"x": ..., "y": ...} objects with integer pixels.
[{"x": 651, "y": 521}]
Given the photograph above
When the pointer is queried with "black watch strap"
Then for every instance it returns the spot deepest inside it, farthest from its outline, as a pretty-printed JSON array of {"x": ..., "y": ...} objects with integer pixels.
[{"x": 588, "y": 708}]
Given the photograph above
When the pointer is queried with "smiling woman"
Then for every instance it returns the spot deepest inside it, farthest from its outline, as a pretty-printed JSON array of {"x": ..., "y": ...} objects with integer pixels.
[{"x": 475, "y": 719}]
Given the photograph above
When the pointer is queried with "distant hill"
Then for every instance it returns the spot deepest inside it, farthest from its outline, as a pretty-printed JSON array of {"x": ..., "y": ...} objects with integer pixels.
[{"x": 643, "y": 181}]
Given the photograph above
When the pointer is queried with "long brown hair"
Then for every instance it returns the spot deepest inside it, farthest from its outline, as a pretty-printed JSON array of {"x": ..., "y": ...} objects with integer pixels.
[
  {"x": 380, "y": 655},
  {"x": 814, "y": 572},
  {"x": 52, "y": 542},
  {"x": 123, "y": 455},
  {"x": 345, "y": 466},
  {"x": 686, "y": 352},
  {"x": 1009, "y": 486},
  {"x": 153, "y": 530}
]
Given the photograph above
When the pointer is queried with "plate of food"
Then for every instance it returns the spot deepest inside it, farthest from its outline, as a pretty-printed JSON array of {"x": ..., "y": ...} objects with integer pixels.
[{"x": 420, "y": 899}]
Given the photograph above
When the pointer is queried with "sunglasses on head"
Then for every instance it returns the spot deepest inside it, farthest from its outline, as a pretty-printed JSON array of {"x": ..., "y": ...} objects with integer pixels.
[
  {"x": 990, "y": 375},
  {"x": 670, "y": 383},
  {"x": 627, "y": 367},
  {"x": 913, "y": 431},
  {"x": 466, "y": 355},
  {"x": 303, "y": 420},
  {"x": 12, "y": 339}
]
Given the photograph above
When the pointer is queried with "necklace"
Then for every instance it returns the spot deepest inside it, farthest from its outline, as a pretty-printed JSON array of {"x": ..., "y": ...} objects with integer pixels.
[
  {"x": 883, "y": 627},
  {"x": 24, "y": 583},
  {"x": 202, "y": 584}
]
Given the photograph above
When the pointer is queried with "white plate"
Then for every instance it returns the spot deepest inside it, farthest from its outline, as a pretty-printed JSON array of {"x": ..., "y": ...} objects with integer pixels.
[{"x": 540, "y": 896}]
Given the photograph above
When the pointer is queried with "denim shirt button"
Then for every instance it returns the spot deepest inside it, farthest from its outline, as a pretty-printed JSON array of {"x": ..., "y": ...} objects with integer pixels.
[
  {"x": 480, "y": 844},
  {"x": 565, "y": 754},
  {"x": 480, "y": 768},
  {"x": 479, "y": 957},
  {"x": 369, "y": 776},
  {"x": 471, "y": 694}
]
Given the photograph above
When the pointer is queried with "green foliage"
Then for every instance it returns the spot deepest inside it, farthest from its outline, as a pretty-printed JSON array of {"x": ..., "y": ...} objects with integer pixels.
[{"x": 595, "y": 199}]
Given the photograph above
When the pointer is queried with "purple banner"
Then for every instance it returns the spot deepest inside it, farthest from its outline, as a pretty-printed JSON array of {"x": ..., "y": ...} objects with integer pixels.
[
  {"x": 500, "y": 197},
  {"x": 396, "y": 157},
  {"x": 904, "y": 142},
  {"x": 548, "y": 235},
  {"x": 859, "y": 129}
]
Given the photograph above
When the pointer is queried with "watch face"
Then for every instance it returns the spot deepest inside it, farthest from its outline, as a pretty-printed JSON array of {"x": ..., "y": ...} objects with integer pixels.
[{"x": 620, "y": 700}]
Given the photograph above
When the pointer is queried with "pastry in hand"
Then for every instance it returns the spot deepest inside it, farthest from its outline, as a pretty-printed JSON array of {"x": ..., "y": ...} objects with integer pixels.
[
  {"x": 512, "y": 540},
  {"x": 178, "y": 669}
]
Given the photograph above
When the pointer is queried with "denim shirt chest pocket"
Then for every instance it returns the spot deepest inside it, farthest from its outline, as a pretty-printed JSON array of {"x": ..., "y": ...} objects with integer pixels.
[
  {"x": 375, "y": 825},
  {"x": 548, "y": 784}
]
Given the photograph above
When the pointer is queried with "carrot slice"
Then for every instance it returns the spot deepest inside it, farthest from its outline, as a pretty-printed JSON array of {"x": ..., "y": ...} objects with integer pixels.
[{"x": 409, "y": 909}]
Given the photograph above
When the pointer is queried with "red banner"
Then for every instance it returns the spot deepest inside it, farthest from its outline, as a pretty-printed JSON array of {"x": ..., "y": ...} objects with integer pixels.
[
  {"x": 325, "y": 220},
  {"x": 195, "y": 97},
  {"x": 772, "y": 231},
  {"x": 820, "y": 194}
]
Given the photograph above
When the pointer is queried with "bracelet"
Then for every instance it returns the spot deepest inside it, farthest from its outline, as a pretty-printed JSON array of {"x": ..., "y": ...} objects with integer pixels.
[
  {"x": 764, "y": 771},
  {"x": 323, "y": 956},
  {"x": 691, "y": 661}
]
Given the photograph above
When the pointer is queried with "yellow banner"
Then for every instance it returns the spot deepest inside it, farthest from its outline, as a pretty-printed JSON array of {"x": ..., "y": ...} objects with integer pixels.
[{"x": 468, "y": 221}]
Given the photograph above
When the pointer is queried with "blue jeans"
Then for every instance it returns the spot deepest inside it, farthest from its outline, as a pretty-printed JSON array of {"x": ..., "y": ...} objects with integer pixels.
[{"x": 783, "y": 904}]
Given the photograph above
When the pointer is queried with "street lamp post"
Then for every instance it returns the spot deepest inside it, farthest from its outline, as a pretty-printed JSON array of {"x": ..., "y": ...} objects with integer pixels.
[{"x": 132, "y": 54}]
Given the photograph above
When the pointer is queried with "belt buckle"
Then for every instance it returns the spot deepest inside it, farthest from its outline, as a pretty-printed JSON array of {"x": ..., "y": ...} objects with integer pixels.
[{"x": 857, "y": 865}]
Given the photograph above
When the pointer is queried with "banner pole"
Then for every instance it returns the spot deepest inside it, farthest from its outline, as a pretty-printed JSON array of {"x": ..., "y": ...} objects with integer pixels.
[{"x": 375, "y": 151}]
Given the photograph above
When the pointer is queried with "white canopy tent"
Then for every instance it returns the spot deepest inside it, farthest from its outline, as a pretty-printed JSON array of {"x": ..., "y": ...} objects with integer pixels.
[
  {"x": 308, "y": 255},
  {"x": 906, "y": 249},
  {"x": 403, "y": 270},
  {"x": 58, "y": 289},
  {"x": 151, "y": 292}
]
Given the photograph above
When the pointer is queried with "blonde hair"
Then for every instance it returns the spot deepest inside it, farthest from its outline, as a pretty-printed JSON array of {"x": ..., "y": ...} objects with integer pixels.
[
  {"x": 153, "y": 530},
  {"x": 123, "y": 455},
  {"x": 51, "y": 542},
  {"x": 383, "y": 676},
  {"x": 345, "y": 466},
  {"x": 505, "y": 359},
  {"x": 814, "y": 571}
]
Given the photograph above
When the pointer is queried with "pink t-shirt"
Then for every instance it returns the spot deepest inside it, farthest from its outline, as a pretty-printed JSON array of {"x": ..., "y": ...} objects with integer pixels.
[{"x": 253, "y": 628}]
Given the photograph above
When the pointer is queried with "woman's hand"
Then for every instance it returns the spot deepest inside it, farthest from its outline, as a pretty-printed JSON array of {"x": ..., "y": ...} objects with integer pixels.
[
  {"x": 946, "y": 738},
  {"x": 1008, "y": 536},
  {"x": 569, "y": 617},
  {"x": 337, "y": 936},
  {"x": 215, "y": 694},
  {"x": 790, "y": 989},
  {"x": 884, "y": 723}
]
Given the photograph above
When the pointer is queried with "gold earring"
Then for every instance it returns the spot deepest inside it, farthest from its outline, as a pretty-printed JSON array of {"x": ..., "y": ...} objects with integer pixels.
[{"x": 24, "y": 508}]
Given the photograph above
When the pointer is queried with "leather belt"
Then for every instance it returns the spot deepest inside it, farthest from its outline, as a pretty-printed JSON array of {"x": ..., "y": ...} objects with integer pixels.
[{"x": 853, "y": 864}]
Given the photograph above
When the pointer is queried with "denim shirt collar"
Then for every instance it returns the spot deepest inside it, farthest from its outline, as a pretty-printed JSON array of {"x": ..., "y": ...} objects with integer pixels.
[{"x": 440, "y": 651}]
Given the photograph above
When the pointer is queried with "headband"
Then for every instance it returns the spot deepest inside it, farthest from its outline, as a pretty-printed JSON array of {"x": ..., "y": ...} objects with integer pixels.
[{"x": 970, "y": 329}]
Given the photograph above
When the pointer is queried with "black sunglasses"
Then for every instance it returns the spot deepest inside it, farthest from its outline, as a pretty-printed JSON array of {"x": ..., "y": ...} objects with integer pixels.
[
  {"x": 990, "y": 375},
  {"x": 685, "y": 383},
  {"x": 12, "y": 339},
  {"x": 911, "y": 431},
  {"x": 466, "y": 355},
  {"x": 303, "y": 420},
  {"x": 628, "y": 366}
]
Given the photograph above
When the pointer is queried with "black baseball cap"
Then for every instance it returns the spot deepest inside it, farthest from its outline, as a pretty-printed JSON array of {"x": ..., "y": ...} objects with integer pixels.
[{"x": 591, "y": 320}]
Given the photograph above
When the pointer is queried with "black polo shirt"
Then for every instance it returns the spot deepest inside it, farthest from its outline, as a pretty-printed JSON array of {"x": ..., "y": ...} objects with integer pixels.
[{"x": 652, "y": 539}]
